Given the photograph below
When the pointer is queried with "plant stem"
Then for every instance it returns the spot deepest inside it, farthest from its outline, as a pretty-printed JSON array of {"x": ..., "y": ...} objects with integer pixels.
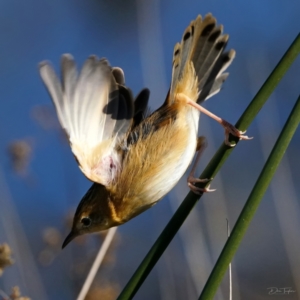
[{"x": 98, "y": 260}]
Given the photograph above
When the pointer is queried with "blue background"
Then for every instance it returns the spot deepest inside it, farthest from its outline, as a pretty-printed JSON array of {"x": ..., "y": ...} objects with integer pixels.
[{"x": 139, "y": 36}]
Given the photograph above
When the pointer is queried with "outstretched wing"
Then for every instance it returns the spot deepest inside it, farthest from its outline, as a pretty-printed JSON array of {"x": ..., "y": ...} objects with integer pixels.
[{"x": 95, "y": 112}]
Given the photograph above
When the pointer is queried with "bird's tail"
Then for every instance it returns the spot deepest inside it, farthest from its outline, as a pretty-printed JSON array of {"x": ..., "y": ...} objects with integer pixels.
[{"x": 199, "y": 60}]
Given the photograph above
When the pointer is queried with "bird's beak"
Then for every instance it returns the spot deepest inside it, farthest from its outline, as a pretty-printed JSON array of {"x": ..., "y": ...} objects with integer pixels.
[{"x": 69, "y": 238}]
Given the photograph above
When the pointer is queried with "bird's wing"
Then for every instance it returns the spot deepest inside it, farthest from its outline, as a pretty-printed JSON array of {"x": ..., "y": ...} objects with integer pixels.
[
  {"x": 141, "y": 109},
  {"x": 95, "y": 112}
]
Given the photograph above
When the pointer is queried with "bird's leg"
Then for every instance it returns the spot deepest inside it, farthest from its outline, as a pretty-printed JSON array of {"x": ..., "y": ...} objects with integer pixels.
[
  {"x": 201, "y": 145},
  {"x": 229, "y": 128}
]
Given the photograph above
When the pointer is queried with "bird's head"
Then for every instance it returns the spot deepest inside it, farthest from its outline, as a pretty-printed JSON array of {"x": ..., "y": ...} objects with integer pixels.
[{"x": 93, "y": 214}]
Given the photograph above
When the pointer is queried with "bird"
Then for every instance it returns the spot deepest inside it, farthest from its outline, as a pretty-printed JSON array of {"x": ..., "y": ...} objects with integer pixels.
[{"x": 132, "y": 156}]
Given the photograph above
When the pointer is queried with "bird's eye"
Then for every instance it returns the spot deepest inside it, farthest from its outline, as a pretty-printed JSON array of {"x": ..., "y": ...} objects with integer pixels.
[{"x": 86, "y": 221}]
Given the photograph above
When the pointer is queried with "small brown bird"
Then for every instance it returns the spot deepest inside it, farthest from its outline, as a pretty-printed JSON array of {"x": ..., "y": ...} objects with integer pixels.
[{"x": 134, "y": 159}]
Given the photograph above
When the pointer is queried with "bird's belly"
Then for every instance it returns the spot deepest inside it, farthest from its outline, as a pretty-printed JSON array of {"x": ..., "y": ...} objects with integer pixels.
[
  {"x": 155, "y": 164},
  {"x": 170, "y": 178},
  {"x": 171, "y": 172}
]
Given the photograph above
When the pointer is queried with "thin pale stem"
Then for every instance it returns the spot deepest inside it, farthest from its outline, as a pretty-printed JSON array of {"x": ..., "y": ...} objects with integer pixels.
[
  {"x": 230, "y": 266},
  {"x": 98, "y": 260}
]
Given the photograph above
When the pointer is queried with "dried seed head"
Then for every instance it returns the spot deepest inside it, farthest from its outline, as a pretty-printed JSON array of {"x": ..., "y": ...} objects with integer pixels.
[
  {"x": 16, "y": 294},
  {"x": 5, "y": 257}
]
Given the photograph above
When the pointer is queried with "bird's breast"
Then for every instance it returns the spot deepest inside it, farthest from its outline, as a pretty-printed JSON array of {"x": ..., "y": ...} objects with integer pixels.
[{"x": 153, "y": 165}]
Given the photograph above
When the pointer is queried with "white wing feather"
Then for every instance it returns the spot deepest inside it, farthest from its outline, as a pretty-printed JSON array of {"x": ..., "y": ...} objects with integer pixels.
[{"x": 88, "y": 109}]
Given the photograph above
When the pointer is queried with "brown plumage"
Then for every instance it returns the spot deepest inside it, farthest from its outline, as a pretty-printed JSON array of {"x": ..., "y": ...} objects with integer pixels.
[{"x": 135, "y": 159}]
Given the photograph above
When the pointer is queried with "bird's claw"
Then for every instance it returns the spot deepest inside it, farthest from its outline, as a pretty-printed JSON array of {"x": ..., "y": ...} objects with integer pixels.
[
  {"x": 230, "y": 129},
  {"x": 197, "y": 190}
]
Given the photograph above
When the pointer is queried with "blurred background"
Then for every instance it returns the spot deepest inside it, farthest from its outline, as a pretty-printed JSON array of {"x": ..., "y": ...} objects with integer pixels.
[{"x": 41, "y": 185}]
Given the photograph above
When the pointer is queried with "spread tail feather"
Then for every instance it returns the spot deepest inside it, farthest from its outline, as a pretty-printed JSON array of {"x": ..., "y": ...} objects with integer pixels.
[{"x": 199, "y": 60}]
